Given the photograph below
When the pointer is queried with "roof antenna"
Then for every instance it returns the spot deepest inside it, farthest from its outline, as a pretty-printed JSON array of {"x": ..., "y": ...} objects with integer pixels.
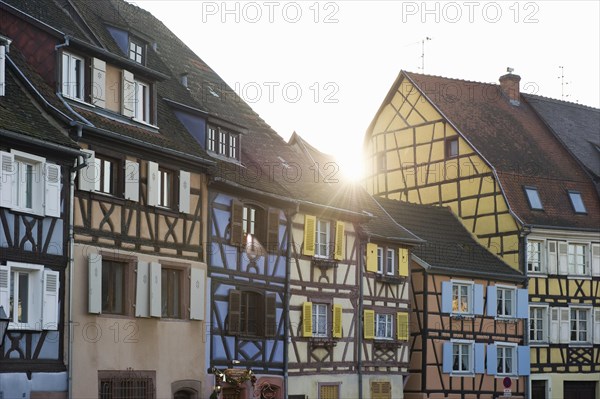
[
  {"x": 423, "y": 53},
  {"x": 562, "y": 83}
]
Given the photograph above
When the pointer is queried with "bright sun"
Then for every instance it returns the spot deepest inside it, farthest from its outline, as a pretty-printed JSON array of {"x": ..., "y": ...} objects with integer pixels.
[{"x": 350, "y": 164}]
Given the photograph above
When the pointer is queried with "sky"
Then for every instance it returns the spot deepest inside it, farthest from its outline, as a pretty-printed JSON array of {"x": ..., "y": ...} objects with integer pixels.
[{"x": 323, "y": 68}]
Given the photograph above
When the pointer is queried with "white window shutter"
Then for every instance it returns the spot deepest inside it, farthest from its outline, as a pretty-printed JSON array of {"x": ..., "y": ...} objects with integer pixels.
[
  {"x": 132, "y": 180},
  {"x": 184, "y": 191},
  {"x": 98, "y": 82},
  {"x": 52, "y": 199},
  {"x": 50, "y": 300},
  {"x": 595, "y": 249},
  {"x": 95, "y": 283},
  {"x": 2, "y": 70},
  {"x": 88, "y": 175},
  {"x": 65, "y": 74},
  {"x": 562, "y": 258},
  {"x": 197, "y": 283},
  {"x": 7, "y": 179},
  {"x": 554, "y": 325},
  {"x": 552, "y": 257},
  {"x": 155, "y": 290},
  {"x": 152, "y": 186},
  {"x": 565, "y": 325},
  {"x": 128, "y": 86},
  {"x": 596, "y": 333},
  {"x": 5, "y": 288},
  {"x": 142, "y": 292},
  {"x": 447, "y": 359}
]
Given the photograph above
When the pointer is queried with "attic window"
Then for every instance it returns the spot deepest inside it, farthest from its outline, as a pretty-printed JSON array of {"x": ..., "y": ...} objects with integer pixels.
[
  {"x": 451, "y": 148},
  {"x": 223, "y": 142},
  {"x": 534, "y": 198},
  {"x": 136, "y": 51},
  {"x": 577, "y": 201}
]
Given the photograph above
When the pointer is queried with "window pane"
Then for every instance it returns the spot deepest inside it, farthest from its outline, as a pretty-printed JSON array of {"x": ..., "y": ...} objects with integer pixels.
[
  {"x": 380, "y": 260},
  {"x": 113, "y": 283},
  {"x": 534, "y": 198},
  {"x": 23, "y": 309},
  {"x": 577, "y": 202}
]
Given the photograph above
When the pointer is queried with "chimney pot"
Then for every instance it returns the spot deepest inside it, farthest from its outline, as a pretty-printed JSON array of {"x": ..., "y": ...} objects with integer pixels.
[{"x": 509, "y": 84}]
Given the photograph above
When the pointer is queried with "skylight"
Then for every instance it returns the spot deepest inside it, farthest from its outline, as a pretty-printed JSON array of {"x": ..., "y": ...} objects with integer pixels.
[
  {"x": 577, "y": 202},
  {"x": 534, "y": 198}
]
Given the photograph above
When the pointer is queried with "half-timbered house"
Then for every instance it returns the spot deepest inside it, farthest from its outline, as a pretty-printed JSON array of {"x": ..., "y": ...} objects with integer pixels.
[
  {"x": 37, "y": 159},
  {"x": 469, "y": 311},
  {"x": 140, "y": 201},
  {"x": 482, "y": 150}
]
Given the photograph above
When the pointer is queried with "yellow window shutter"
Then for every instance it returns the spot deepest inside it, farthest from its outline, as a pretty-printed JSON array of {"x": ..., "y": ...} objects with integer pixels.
[
  {"x": 310, "y": 223},
  {"x": 337, "y": 321},
  {"x": 403, "y": 262},
  {"x": 369, "y": 324},
  {"x": 339, "y": 241},
  {"x": 372, "y": 257},
  {"x": 402, "y": 326},
  {"x": 307, "y": 326}
]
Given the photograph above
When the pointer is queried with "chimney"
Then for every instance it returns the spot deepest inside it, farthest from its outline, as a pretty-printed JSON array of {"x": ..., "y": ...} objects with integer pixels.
[{"x": 509, "y": 84}]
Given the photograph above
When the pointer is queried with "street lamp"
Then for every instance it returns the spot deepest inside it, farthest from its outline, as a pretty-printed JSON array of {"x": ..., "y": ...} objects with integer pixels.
[{"x": 4, "y": 320}]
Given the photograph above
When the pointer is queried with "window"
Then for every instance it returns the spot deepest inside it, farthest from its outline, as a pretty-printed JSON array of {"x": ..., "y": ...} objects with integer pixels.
[
  {"x": 505, "y": 302},
  {"x": 249, "y": 312},
  {"x": 252, "y": 313},
  {"x": 165, "y": 188},
  {"x": 248, "y": 220},
  {"x": 29, "y": 295},
  {"x": 329, "y": 391},
  {"x": 73, "y": 76},
  {"x": 136, "y": 52},
  {"x": 319, "y": 320},
  {"x": 451, "y": 147},
  {"x": 580, "y": 325},
  {"x": 461, "y": 298},
  {"x": 380, "y": 260},
  {"x": 126, "y": 384},
  {"x": 106, "y": 175},
  {"x": 381, "y": 165},
  {"x": 390, "y": 261},
  {"x": 322, "y": 238},
  {"x": 462, "y": 357},
  {"x": 383, "y": 326},
  {"x": 534, "y": 198},
  {"x": 538, "y": 324},
  {"x": 141, "y": 110},
  {"x": 113, "y": 287},
  {"x": 577, "y": 201},
  {"x": 534, "y": 256},
  {"x": 386, "y": 264},
  {"x": 506, "y": 360},
  {"x": 222, "y": 142},
  {"x": 171, "y": 292},
  {"x": 211, "y": 143},
  {"x": 577, "y": 259}
]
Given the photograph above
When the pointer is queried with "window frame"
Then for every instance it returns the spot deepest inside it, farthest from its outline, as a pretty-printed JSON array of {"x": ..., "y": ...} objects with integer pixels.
[
  {"x": 100, "y": 162},
  {"x": 449, "y": 143},
  {"x": 469, "y": 285},
  {"x": 513, "y": 301},
  {"x": 573, "y": 266},
  {"x": 388, "y": 321},
  {"x": 130, "y": 263},
  {"x": 141, "y": 54},
  {"x": 79, "y": 83},
  {"x": 588, "y": 323},
  {"x": 315, "y": 319},
  {"x": 577, "y": 194},
  {"x": 544, "y": 325},
  {"x": 541, "y": 255},
  {"x": 503, "y": 348},
  {"x": 321, "y": 385},
  {"x": 37, "y": 182},
  {"x": 223, "y": 142},
  {"x": 471, "y": 356},
  {"x": 142, "y": 103},
  {"x": 169, "y": 195},
  {"x": 109, "y": 265},
  {"x": 533, "y": 191},
  {"x": 182, "y": 295},
  {"x": 323, "y": 232}
]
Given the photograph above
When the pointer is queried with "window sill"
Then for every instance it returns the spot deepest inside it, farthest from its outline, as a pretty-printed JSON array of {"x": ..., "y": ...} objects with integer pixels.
[
  {"x": 511, "y": 376},
  {"x": 322, "y": 342},
  {"x": 537, "y": 274},
  {"x": 324, "y": 263},
  {"x": 462, "y": 374},
  {"x": 581, "y": 345},
  {"x": 539, "y": 344},
  {"x": 579, "y": 277},
  {"x": 391, "y": 279},
  {"x": 507, "y": 319},
  {"x": 144, "y": 123},
  {"x": 462, "y": 316}
]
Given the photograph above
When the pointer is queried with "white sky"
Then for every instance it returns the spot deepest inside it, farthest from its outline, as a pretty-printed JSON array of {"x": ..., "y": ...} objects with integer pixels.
[{"x": 323, "y": 68}]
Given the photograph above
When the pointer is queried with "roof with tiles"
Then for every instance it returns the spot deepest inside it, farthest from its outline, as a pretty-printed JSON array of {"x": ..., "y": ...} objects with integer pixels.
[
  {"x": 448, "y": 246},
  {"x": 519, "y": 146}
]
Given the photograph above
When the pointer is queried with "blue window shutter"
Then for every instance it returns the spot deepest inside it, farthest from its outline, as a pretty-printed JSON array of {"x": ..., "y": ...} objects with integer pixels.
[
  {"x": 492, "y": 359},
  {"x": 479, "y": 358},
  {"x": 523, "y": 360},
  {"x": 477, "y": 299},
  {"x": 447, "y": 357},
  {"x": 522, "y": 303},
  {"x": 492, "y": 299},
  {"x": 446, "y": 297}
]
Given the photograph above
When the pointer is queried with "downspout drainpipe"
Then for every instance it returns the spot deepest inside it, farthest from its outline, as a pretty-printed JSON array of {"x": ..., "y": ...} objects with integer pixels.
[
  {"x": 360, "y": 327},
  {"x": 286, "y": 301},
  {"x": 523, "y": 245}
]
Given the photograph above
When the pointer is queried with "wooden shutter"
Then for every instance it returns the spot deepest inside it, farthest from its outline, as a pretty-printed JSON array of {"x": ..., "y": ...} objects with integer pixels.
[
  {"x": 235, "y": 312},
  {"x": 565, "y": 326},
  {"x": 197, "y": 290},
  {"x": 596, "y": 332},
  {"x": 523, "y": 360},
  {"x": 595, "y": 250},
  {"x": 447, "y": 360},
  {"x": 88, "y": 175},
  {"x": 554, "y": 325},
  {"x": 50, "y": 300},
  {"x": 155, "y": 290},
  {"x": 522, "y": 303},
  {"x": 128, "y": 96},
  {"x": 381, "y": 390},
  {"x": 184, "y": 191},
  {"x": 339, "y": 241},
  {"x": 152, "y": 186},
  {"x": 273, "y": 230},
  {"x": 270, "y": 315},
  {"x": 5, "y": 289},
  {"x": 492, "y": 359},
  {"x": 98, "y": 82},
  {"x": 310, "y": 225},
  {"x": 329, "y": 392},
  {"x": 95, "y": 283},
  {"x": 52, "y": 195},
  {"x": 372, "y": 257},
  {"x": 446, "y": 297},
  {"x": 477, "y": 299},
  {"x": 142, "y": 292},
  {"x": 403, "y": 267},
  {"x": 563, "y": 267},
  {"x": 369, "y": 324},
  {"x": 492, "y": 300},
  {"x": 337, "y": 321},
  {"x": 132, "y": 180},
  {"x": 7, "y": 180},
  {"x": 307, "y": 325},
  {"x": 237, "y": 229},
  {"x": 479, "y": 354},
  {"x": 552, "y": 257},
  {"x": 402, "y": 332}
]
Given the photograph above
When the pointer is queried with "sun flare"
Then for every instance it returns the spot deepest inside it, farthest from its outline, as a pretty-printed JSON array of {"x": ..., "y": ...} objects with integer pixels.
[{"x": 350, "y": 164}]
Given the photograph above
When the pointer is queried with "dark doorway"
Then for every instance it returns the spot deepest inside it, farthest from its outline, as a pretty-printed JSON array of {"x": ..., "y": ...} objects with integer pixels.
[
  {"x": 539, "y": 389},
  {"x": 580, "y": 389}
]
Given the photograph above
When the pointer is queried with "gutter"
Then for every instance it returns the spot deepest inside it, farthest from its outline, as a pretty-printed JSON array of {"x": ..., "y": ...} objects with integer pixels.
[
  {"x": 569, "y": 228},
  {"x": 40, "y": 142}
]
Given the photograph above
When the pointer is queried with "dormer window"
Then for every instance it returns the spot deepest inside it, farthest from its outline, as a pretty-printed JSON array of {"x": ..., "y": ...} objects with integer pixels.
[
  {"x": 534, "y": 198},
  {"x": 223, "y": 142},
  {"x": 577, "y": 201},
  {"x": 141, "y": 110},
  {"x": 136, "y": 51},
  {"x": 73, "y": 76}
]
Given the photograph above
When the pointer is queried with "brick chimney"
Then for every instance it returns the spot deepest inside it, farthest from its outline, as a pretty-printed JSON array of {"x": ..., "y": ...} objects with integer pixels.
[{"x": 509, "y": 84}]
